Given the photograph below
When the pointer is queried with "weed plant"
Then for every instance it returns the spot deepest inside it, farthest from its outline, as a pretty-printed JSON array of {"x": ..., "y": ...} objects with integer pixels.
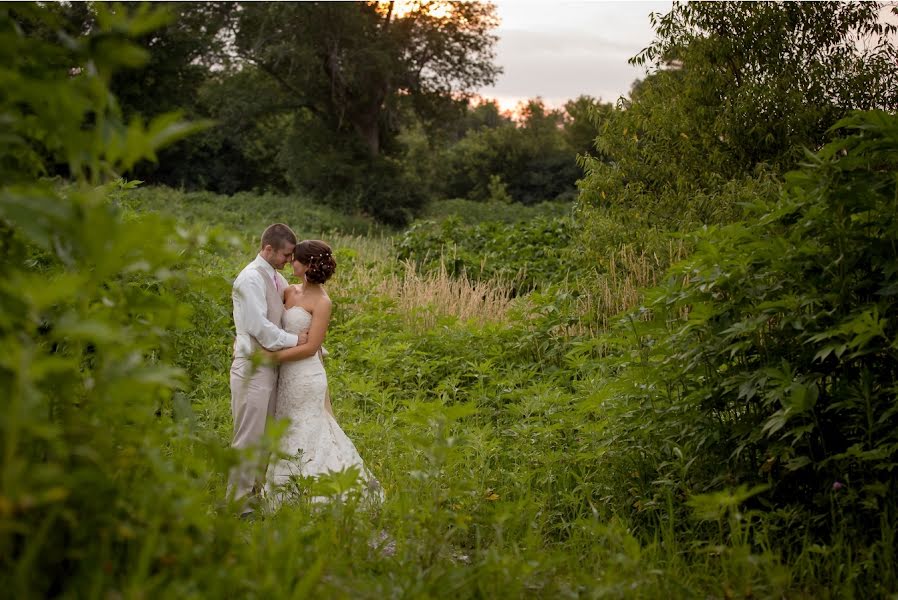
[
  {"x": 470, "y": 212},
  {"x": 247, "y": 213}
]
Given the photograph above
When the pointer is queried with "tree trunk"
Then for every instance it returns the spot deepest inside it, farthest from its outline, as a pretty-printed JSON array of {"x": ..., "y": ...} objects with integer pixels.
[{"x": 366, "y": 126}]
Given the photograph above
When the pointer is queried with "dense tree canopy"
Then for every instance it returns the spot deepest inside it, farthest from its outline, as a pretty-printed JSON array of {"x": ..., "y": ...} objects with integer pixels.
[
  {"x": 350, "y": 64},
  {"x": 777, "y": 74},
  {"x": 738, "y": 86},
  {"x": 350, "y": 74}
]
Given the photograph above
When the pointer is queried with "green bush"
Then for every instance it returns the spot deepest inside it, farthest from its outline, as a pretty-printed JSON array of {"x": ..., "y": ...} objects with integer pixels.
[
  {"x": 527, "y": 254},
  {"x": 247, "y": 213},
  {"x": 471, "y": 212},
  {"x": 772, "y": 360},
  {"x": 87, "y": 305}
]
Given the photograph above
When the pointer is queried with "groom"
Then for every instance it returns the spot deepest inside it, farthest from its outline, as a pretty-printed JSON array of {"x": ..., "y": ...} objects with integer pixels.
[{"x": 258, "y": 307}]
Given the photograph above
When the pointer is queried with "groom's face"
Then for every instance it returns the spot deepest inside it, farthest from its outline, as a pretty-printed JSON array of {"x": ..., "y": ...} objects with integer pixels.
[{"x": 278, "y": 258}]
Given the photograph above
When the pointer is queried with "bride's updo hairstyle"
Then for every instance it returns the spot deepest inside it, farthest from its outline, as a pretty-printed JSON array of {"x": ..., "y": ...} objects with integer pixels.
[{"x": 318, "y": 256}]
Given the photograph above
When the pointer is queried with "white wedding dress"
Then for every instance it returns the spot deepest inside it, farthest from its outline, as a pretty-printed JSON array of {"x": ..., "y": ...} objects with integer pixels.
[{"x": 313, "y": 442}]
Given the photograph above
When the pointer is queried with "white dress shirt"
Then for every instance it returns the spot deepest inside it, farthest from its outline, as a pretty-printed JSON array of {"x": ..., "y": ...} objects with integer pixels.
[{"x": 251, "y": 309}]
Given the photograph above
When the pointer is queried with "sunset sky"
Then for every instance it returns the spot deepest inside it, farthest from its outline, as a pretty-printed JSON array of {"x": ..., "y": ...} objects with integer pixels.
[{"x": 561, "y": 49}]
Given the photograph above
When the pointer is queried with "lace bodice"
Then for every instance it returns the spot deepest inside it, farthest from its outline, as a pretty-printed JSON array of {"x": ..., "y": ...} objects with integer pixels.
[{"x": 297, "y": 320}]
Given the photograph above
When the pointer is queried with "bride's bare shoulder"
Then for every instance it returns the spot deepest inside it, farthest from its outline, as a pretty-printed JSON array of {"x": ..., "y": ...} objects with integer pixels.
[{"x": 317, "y": 303}]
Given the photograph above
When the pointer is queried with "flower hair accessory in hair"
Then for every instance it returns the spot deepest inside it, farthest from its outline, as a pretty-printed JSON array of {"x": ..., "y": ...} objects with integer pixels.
[{"x": 319, "y": 258}]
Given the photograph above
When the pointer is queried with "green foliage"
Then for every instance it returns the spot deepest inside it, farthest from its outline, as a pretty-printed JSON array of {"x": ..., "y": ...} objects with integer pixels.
[
  {"x": 339, "y": 172},
  {"x": 738, "y": 90},
  {"x": 533, "y": 161},
  {"x": 180, "y": 55},
  {"x": 485, "y": 114},
  {"x": 471, "y": 212},
  {"x": 602, "y": 231},
  {"x": 527, "y": 253},
  {"x": 771, "y": 359},
  {"x": 765, "y": 80},
  {"x": 243, "y": 150},
  {"x": 86, "y": 307},
  {"x": 248, "y": 214},
  {"x": 584, "y": 117},
  {"x": 81, "y": 125}
]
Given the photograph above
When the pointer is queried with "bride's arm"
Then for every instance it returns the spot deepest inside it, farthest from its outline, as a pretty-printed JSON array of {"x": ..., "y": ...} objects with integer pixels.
[{"x": 320, "y": 319}]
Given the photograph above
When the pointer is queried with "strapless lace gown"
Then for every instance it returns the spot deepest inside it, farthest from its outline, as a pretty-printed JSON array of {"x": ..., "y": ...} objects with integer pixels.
[{"x": 314, "y": 442}]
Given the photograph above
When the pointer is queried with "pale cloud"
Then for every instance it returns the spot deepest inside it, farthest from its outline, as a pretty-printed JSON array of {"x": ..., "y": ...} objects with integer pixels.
[{"x": 561, "y": 50}]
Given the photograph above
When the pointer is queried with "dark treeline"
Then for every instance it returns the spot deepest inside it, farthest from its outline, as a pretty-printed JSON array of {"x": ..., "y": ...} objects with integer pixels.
[
  {"x": 372, "y": 110},
  {"x": 369, "y": 110}
]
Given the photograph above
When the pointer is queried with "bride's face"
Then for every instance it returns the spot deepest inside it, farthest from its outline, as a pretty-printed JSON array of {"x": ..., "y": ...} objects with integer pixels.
[{"x": 299, "y": 269}]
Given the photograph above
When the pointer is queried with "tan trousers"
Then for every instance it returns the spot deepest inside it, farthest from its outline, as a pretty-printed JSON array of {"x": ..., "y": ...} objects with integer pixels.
[{"x": 253, "y": 399}]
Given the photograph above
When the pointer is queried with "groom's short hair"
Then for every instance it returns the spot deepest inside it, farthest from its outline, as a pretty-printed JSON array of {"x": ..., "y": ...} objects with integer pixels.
[{"x": 277, "y": 236}]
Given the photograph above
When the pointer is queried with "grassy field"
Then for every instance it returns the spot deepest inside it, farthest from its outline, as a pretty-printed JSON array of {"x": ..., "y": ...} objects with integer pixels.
[
  {"x": 476, "y": 410},
  {"x": 517, "y": 386}
]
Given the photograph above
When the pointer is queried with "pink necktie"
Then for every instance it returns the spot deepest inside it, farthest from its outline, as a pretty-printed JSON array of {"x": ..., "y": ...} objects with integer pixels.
[{"x": 277, "y": 285}]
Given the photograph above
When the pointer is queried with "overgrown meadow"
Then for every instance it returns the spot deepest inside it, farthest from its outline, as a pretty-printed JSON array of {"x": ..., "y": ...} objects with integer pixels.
[
  {"x": 465, "y": 366},
  {"x": 560, "y": 400}
]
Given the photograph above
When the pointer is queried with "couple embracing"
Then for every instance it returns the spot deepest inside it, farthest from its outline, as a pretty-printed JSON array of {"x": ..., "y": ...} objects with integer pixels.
[{"x": 287, "y": 325}]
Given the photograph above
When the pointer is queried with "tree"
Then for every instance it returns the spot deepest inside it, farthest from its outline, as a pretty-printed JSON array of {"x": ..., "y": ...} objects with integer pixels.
[
  {"x": 350, "y": 63},
  {"x": 167, "y": 68},
  {"x": 352, "y": 75},
  {"x": 738, "y": 87},
  {"x": 583, "y": 118},
  {"x": 777, "y": 74},
  {"x": 532, "y": 159},
  {"x": 180, "y": 58}
]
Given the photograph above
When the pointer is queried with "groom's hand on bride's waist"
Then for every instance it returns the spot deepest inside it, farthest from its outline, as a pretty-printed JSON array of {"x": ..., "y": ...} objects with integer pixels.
[{"x": 302, "y": 339}]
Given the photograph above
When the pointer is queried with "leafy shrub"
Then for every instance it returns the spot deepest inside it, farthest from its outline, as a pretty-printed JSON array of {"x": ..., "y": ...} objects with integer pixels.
[
  {"x": 772, "y": 360},
  {"x": 87, "y": 303},
  {"x": 471, "y": 212},
  {"x": 526, "y": 254},
  {"x": 247, "y": 213}
]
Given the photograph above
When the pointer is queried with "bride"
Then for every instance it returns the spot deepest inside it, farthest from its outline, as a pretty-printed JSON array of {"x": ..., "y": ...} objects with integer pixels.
[{"x": 314, "y": 444}]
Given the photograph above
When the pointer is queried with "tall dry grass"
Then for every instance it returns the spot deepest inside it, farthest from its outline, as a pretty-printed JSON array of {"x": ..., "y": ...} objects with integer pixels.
[
  {"x": 623, "y": 285},
  {"x": 424, "y": 298},
  {"x": 421, "y": 298}
]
